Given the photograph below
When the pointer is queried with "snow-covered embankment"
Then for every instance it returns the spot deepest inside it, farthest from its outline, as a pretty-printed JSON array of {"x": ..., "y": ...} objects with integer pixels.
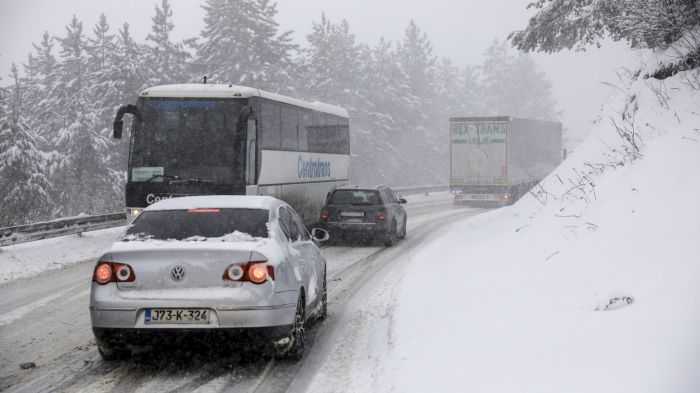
[{"x": 591, "y": 284}]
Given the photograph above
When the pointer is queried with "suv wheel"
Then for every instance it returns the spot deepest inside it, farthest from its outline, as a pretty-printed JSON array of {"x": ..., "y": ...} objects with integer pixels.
[{"x": 391, "y": 236}]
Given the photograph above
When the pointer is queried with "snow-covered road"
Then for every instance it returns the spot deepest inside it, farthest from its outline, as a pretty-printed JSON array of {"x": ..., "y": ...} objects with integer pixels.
[{"x": 44, "y": 319}]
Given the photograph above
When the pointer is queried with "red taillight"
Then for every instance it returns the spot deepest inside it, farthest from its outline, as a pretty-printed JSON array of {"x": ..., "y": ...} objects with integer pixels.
[
  {"x": 324, "y": 215},
  {"x": 203, "y": 210},
  {"x": 103, "y": 273},
  {"x": 106, "y": 272},
  {"x": 256, "y": 272},
  {"x": 381, "y": 215}
]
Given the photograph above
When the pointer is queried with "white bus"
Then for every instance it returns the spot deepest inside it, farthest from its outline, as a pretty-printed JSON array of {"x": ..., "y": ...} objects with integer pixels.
[{"x": 201, "y": 139}]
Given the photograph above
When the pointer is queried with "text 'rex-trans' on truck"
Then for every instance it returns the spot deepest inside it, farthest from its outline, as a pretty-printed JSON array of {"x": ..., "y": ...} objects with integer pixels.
[{"x": 496, "y": 160}]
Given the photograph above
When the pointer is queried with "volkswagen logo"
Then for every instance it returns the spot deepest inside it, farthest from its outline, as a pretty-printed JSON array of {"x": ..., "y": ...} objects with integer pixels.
[{"x": 177, "y": 273}]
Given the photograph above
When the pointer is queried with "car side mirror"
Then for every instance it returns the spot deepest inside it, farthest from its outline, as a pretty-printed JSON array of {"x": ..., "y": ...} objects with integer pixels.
[
  {"x": 319, "y": 235},
  {"x": 402, "y": 201}
]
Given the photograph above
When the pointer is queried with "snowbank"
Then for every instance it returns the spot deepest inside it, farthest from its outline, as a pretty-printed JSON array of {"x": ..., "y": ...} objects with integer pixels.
[
  {"x": 592, "y": 284},
  {"x": 29, "y": 259}
]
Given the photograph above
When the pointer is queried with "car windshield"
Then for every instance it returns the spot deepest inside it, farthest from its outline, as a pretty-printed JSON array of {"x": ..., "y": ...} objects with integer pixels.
[
  {"x": 199, "y": 225},
  {"x": 355, "y": 197}
]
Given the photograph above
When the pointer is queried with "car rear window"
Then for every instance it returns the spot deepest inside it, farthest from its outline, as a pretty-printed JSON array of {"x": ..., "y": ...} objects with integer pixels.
[
  {"x": 355, "y": 197},
  {"x": 199, "y": 224}
]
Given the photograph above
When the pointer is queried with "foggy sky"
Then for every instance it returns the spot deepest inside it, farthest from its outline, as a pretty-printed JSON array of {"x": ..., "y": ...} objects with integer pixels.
[{"x": 461, "y": 30}]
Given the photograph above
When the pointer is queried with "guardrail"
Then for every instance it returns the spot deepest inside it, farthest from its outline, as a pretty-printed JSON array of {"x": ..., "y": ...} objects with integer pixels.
[
  {"x": 69, "y": 226},
  {"x": 421, "y": 189},
  {"x": 61, "y": 227}
]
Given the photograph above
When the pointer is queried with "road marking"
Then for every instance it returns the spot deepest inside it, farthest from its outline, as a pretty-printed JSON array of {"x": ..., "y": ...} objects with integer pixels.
[
  {"x": 262, "y": 376},
  {"x": 19, "y": 312}
]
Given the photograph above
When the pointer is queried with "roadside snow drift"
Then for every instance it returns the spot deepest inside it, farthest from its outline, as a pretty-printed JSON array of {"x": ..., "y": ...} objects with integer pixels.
[{"x": 592, "y": 284}]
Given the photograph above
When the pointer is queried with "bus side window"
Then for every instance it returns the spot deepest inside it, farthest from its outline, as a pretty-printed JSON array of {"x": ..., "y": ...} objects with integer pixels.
[
  {"x": 304, "y": 123},
  {"x": 271, "y": 131},
  {"x": 290, "y": 137}
]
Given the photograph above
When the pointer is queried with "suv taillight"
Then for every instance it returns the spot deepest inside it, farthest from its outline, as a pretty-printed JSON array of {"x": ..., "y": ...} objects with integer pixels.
[
  {"x": 381, "y": 214},
  {"x": 324, "y": 215},
  {"x": 106, "y": 272}
]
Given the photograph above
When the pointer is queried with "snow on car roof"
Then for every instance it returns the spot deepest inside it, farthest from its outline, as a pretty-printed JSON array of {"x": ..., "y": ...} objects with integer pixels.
[
  {"x": 216, "y": 201},
  {"x": 214, "y": 90}
]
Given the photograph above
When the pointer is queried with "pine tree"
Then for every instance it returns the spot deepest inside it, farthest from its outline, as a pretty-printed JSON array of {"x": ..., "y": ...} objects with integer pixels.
[
  {"x": 423, "y": 137},
  {"x": 102, "y": 86},
  {"x": 382, "y": 123},
  {"x": 42, "y": 76},
  {"x": 566, "y": 24},
  {"x": 512, "y": 85},
  {"x": 81, "y": 175},
  {"x": 242, "y": 45},
  {"x": 332, "y": 64},
  {"x": 168, "y": 59},
  {"x": 417, "y": 59},
  {"x": 25, "y": 192}
]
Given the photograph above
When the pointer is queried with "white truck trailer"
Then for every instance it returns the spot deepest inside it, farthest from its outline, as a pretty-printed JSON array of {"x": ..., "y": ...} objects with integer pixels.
[{"x": 496, "y": 160}]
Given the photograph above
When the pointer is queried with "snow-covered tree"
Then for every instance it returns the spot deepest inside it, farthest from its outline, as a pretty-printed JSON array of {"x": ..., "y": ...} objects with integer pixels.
[
  {"x": 167, "y": 58},
  {"x": 652, "y": 24},
  {"x": 332, "y": 64},
  {"x": 415, "y": 55},
  {"x": 81, "y": 175},
  {"x": 512, "y": 85},
  {"x": 242, "y": 45},
  {"x": 102, "y": 86},
  {"x": 25, "y": 192},
  {"x": 42, "y": 76}
]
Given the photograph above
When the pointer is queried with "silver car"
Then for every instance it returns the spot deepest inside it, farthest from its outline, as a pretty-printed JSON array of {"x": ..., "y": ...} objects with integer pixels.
[{"x": 242, "y": 267}]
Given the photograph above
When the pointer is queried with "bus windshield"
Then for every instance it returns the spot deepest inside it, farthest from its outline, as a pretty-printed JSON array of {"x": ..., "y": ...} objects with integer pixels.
[{"x": 188, "y": 139}]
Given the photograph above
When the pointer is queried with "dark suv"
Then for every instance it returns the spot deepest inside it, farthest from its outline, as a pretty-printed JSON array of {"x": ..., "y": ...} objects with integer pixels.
[{"x": 372, "y": 214}]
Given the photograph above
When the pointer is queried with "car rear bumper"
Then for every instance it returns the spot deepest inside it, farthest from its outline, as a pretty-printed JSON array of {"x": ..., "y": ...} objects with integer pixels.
[
  {"x": 125, "y": 337},
  {"x": 368, "y": 228},
  {"x": 219, "y": 317},
  {"x": 254, "y": 307}
]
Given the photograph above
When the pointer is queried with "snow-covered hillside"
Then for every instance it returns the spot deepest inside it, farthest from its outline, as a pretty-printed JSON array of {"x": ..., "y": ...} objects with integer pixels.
[{"x": 591, "y": 284}]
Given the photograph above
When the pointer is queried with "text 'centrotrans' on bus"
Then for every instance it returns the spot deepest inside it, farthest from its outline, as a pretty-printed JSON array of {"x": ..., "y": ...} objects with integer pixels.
[{"x": 202, "y": 139}]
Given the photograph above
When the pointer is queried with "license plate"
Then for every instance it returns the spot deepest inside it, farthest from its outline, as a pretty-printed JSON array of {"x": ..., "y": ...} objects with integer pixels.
[
  {"x": 176, "y": 315},
  {"x": 477, "y": 196},
  {"x": 352, "y": 214}
]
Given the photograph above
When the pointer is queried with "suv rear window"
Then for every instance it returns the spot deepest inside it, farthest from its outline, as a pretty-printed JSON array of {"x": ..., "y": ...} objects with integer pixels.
[
  {"x": 355, "y": 197},
  {"x": 199, "y": 224}
]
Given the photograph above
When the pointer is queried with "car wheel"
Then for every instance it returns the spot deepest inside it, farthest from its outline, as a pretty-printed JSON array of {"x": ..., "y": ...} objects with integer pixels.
[
  {"x": 391, "y": 237},
  {"x": 111, "y": 354},
  {"x": 296, "y": 351},
  {"x": 403, "y": 230},
  {"x": 324, "y": 301}
]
